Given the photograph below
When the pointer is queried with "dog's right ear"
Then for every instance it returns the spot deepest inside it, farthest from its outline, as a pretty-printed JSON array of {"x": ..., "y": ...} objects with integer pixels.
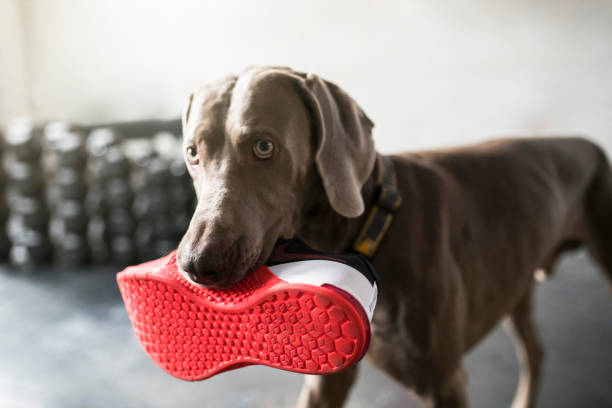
[{"x": 186, "y": 111}]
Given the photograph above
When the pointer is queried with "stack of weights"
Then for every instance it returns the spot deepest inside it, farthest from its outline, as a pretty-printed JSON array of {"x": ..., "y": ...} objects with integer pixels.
[
  {"x": 5, "y": 244},
  {"x": 164, "y": 198},
  {"x": 112, "y": 225},
  {"x": 99, "y": 142},
  {"x": 27, "y": 221},
  {"x": 110, "y": 200},
  {"x": 182, "y": 195},
  {"x": 66, "y": 194}
]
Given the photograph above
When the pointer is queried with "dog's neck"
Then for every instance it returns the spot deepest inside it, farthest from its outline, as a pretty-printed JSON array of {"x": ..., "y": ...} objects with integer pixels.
[{"x": 333, "y": 232}]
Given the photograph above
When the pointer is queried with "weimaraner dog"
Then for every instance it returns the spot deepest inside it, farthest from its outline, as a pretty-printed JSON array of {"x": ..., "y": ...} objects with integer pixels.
[{"x": 279, "y": 153}]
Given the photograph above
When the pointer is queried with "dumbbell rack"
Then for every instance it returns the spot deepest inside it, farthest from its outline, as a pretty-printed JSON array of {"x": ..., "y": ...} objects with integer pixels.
[{"x": 73, "y": 195}]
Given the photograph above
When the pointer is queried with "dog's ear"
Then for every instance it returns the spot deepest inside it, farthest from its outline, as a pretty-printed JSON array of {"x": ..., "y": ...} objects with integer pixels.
[
  {"x": 345, "y": 153},
  {"x": 186, "y": 111}
]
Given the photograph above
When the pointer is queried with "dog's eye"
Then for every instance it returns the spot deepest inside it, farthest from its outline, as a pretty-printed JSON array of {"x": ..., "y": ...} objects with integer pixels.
[
  {"x": 192, "y": 155},
  {"x": 263, "y": 149}
]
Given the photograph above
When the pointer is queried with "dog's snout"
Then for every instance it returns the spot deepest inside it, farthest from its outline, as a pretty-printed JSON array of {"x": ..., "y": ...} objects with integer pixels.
[
  {"x": 207, "y": 263},
  {"x": 197, "y": 270},
  {"x": 207, "y": 277},
  {"x": 200, "y": 268}
]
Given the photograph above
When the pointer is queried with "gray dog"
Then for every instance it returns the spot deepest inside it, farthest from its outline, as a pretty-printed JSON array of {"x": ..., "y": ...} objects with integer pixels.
[{"x": 278, "y": 153}]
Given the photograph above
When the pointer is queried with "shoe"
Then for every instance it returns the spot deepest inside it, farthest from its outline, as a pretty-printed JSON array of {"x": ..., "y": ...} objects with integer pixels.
[{"x": 304, "y": 311}]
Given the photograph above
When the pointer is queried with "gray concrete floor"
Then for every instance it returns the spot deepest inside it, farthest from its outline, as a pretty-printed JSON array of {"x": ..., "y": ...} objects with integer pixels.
[{"x": 65, "y": 341}]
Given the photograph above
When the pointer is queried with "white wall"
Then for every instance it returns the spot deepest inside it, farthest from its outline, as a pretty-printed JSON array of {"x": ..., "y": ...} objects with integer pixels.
[
  {"x": 429, "y": 73},
  {"x": 13, "y": 90}
]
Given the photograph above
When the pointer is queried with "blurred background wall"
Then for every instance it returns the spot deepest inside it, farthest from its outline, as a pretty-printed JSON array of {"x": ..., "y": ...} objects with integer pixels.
[
  {"x": 429, "y": 73},
  {"x": 13, "y": 90}
]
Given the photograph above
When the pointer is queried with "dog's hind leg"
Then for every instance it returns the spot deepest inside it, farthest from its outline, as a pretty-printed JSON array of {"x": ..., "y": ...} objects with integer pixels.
[
  {"x": 528, "y": 349},
  {"x": 599, "y": 218},
  {"x": 327, "y": 391}
]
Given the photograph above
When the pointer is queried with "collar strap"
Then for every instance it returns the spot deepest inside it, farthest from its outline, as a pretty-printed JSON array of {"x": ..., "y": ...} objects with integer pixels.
[{"x": 388, "y": 200}]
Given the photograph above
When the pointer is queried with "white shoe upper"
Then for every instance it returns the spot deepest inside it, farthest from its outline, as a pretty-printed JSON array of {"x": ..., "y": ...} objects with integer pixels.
[{"x": 319, "y": 272}]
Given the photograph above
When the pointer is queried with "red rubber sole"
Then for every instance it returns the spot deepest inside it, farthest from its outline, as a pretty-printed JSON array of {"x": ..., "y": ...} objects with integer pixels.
[{"x": 194, "y": 333}]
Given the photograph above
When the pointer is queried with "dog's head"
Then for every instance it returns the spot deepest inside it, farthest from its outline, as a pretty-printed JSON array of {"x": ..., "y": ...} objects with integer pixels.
[{"x": 254, "y": 144}]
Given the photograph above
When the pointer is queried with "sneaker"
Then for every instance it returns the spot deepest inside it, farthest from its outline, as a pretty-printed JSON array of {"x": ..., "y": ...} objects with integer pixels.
[{"x": 304, "y": 311}]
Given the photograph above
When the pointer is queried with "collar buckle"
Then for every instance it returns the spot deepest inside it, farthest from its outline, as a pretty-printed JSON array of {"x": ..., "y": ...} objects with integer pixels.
[{"x": 381, "y": 214}]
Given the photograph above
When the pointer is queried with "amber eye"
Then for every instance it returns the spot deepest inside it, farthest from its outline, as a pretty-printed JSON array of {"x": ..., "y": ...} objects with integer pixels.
[
  {"x": 192, "y": 155},
  {"x": 263, "y": 149}
]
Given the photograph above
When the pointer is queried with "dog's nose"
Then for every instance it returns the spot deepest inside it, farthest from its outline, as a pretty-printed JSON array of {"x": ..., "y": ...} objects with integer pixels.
[
  {"x": 207, "y": 264},
  {"x": 206, "y": 277},
  {"x": 198, "y": 269}
]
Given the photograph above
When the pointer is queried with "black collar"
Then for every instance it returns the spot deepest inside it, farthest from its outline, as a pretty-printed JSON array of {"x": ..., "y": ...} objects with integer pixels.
[{"x": 388, "y": 200}]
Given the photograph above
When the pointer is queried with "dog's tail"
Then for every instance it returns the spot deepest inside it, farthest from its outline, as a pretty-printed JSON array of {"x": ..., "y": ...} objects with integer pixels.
[{"x": 599, "y": 213}]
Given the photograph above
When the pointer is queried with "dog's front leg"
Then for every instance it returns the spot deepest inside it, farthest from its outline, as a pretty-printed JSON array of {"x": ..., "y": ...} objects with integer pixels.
[{"x": 327, "y": 391}]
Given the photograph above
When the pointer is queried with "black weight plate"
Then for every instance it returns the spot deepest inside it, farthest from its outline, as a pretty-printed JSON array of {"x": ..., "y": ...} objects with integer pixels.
[
  {"x": 97, "y": 231},
  {"x": 54, "y": 132},
  {"x": 95, "y": 200},
  {"x": 157, "y": 173},
  {"x": 118, "y": 193},
  {"x": 152, "y": 204},
  {"x": 99, "y": 253},
  {"x": 30, "y": 247},
  {"x": 181, "y": 222},
  {"x": 27, "y": 205},
  {"x": 178, "y": 170},
  {"x": 5, "y": 244},
  {"x": 164, "y": 247},
  {"x": 100, "y": 140},
  {"x": 70, "y": 183},
  {"x": 122, "y": 251},
  {"x": 25, "y": 178},
  {"x": 22, "y": 140},
  {"x": 32, "y": 221},
  {"x": 120, "y": 222},
  {"x": 72, "y": 214},
  {"x": 70, "y": 150},
  {"x": 72, "y": 250},
  {"x": 164, "y": 228},
  {"x": 114, "y": 164},
  {"x": 182, "y": 197}
]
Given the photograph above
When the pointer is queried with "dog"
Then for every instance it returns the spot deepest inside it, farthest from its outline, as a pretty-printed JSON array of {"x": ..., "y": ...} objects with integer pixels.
[{"x": 278, "y": 153}]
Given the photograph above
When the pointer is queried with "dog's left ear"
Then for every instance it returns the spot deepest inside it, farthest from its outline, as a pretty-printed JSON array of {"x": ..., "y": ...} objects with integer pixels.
[{"x": 345, "y": 153}]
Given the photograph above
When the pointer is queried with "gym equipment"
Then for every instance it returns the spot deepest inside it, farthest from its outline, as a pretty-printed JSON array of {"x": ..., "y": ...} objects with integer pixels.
[
  {"x": 70, "y": 150},
  {"x": 70, "y": 184},
  {"x": 118, "y": 193},
  {"x": 29, "y": 248},
  {"x": 24, "y": 178},
  {"x": 114, "y": 164},
  {"x": 120, "y": 222},
  {"x": 100, "y": 140},
  {"x": 71, "y": 214},
  {"x": 21, "y": 140},
  {"x": 122, "y": 251},
  {"x": 87, "y": 196},
  {"x": 95, "y": 200},
  {"x": 71, "y": 250}
]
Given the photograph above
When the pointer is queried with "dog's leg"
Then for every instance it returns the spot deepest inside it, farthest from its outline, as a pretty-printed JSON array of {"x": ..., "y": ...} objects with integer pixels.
[
  {"x": 528, "y": 349},
  {"x": 452, "y": 393},
  {"x": 327, "y": 391},
  {"x": 599, "y": 204},
  {"x": 449, "y": 394},
  {"x": 439, "y": 381}
]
